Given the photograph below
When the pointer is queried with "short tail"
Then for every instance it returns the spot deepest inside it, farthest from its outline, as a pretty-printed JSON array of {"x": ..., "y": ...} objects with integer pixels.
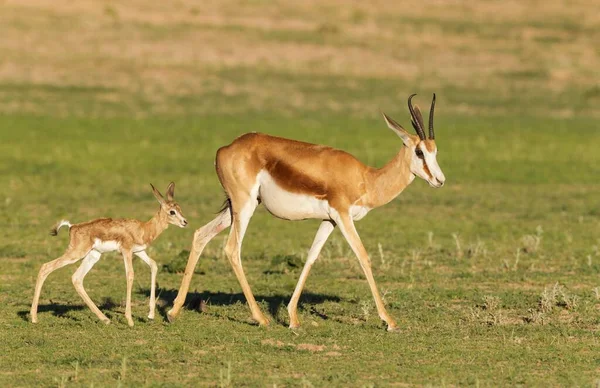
[
  {"x": 60, "y": 224},
  {"x": 226, "y": 206}
]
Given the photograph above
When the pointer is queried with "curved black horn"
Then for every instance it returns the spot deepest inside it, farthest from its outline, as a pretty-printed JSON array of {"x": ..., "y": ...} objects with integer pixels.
[
  {"x": 415, "y": 118},
  {"x": 431, "y": 133}
]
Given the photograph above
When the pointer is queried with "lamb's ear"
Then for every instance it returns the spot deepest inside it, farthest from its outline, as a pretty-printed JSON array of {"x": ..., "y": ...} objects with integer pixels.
[
  {"x": 397, "y": 128},
  {"x": 170, "y": 191},
  {"x": 157, "y": 194}
]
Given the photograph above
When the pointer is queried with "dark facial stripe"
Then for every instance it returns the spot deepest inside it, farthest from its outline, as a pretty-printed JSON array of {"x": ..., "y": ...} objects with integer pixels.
[{"x": 426, "y": 168}]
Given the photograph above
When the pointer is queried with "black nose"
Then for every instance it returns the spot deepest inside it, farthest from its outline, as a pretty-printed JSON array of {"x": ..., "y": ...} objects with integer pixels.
[{"x": 185, "y": 222}]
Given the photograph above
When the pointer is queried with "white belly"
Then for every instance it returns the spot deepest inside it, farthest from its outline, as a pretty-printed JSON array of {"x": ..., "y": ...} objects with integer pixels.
[
  {"x": 289, "y": 206},
  {"x": 106, "y": 246}
]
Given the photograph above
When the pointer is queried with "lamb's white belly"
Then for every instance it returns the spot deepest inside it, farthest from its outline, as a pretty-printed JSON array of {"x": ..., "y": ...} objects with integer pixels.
[
  {"x": 289, "y": 206},
  {"x": 106, "y": 246}
]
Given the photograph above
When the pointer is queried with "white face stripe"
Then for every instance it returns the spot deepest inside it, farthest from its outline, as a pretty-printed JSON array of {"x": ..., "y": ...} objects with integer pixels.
[
  {"x": 435, "y": 177},
  {"x": 432, "y": 164}
]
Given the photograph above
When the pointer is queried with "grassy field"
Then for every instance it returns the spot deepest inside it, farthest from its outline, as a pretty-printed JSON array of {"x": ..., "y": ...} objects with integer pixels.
[{"x": 494, "y": 279}]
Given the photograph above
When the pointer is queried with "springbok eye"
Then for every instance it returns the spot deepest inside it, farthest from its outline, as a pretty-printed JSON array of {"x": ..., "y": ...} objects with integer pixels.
[
  {"x": 172, "y": 212},
  {"x": 419, "y": 153}
]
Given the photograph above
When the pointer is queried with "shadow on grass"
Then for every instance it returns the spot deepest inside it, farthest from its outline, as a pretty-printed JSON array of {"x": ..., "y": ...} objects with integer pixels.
[
  {"x": 196, "y": 301},
  {"x": 62, "y": 310}
]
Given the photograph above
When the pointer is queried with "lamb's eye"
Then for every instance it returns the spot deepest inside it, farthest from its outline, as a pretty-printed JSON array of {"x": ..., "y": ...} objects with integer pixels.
[
  {"x": 419, "y": 153},
  {"x": 172, "y": 212}
]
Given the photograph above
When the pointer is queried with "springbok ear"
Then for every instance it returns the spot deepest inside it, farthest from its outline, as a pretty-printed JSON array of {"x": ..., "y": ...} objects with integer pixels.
[
  {"x": 157, "y": 194},
  {"x": 397, "y": 128},
  {"x": 170, "y": 191}
]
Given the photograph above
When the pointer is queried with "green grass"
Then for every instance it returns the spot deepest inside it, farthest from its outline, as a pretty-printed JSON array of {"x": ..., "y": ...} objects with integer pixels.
[
  {"x": 493, "y": 279},
  {"x": 505, "y": 178}
]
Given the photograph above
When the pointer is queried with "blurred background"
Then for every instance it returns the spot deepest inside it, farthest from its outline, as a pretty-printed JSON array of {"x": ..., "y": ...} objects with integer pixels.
[{"x": 93, "y": 58}]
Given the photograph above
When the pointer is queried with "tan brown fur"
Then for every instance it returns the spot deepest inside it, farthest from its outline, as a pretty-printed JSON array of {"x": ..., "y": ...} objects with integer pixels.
[
  {"x": 430, "y": 145},
  {"x": 129, "y": 236},
  {"x": 336, "y": 177},
  {"x": 127, "y": 232}
]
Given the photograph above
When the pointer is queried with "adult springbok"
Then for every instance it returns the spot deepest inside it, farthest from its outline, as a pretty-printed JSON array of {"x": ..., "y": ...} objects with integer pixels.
[
  {"x": 89, "y": 240},
  {"x": 296, "y": 181}
]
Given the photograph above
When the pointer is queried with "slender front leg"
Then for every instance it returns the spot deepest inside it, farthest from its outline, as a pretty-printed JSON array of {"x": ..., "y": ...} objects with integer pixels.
[
  {"x": 128, "y": 260},
  {"x": 86, "y": 265},
  {"x": 201, "y": 237},
  {"x": 153, "y": 270},
  {"x": 322, "y": 234},
  {"x": 349, "y": 231}
]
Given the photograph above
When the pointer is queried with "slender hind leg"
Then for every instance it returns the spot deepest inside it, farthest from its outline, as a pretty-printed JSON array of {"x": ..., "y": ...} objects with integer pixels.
[
  {"x": 233, "y": 248},
  {"x": 71, "y": 256},
  {"x": 86, "y": 265},
  {"x": 153, "y": 270},
  {"x": 201, "y": 237},
  {"x": 313, "y": 254}
]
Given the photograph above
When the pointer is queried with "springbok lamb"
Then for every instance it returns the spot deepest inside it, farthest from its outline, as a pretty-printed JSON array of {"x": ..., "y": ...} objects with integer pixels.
[
  {"x": 295, "y": 181},
  {"x": 89, "y": 240}
]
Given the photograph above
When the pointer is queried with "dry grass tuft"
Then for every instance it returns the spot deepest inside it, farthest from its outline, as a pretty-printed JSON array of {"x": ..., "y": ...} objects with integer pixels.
[{"x": 489, "y": 312}]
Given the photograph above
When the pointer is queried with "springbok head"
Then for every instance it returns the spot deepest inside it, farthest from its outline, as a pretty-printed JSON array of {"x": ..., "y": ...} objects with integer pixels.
[
  {"x": 423, "y": 150},
  {"x": 169, "y": 207}
]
